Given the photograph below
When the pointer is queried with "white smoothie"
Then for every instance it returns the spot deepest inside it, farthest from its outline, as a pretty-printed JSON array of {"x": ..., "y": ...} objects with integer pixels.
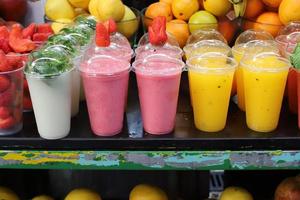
[{"x": 51, "y": 100}]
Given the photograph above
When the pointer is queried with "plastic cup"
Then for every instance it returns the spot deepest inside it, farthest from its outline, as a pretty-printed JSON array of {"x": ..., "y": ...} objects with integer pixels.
[
  {"x": 171, "y": 51},
  {"x": 241, "y": 50},
  {"x": 265, "y": 78},
  {"x": 51, "y": 99},
  {"x": 298, "y": 96},
  {"x": 105, "y": 81},
  {"x": 210, "y": 77},
  {"x": 11, "y": 101},
  {"x": 76, "y": 86},
  {"x": 158, "y": 79}
]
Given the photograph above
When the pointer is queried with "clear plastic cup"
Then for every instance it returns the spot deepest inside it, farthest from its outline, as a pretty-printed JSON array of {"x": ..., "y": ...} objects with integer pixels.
[
  {"x": 51, "y": 96},
  {"x": 265, "y": 78},
  {"x": 144, "y": 41},
  {"x": 249, "y": 48},
  {"x": 11, "y": 101},
  {"x": 105, "y": 81},
  {"x": 76, "y": 86},
  {"x": 158, "y": 79},
  {"x": 211, "y": 77}
]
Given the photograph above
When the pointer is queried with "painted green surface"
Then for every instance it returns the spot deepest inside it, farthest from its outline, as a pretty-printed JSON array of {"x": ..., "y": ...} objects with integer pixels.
[{"x": 151, "y": 160}]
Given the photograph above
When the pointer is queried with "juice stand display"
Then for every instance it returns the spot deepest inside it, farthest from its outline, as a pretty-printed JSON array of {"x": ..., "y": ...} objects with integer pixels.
[{"x": 150, "y": 100}]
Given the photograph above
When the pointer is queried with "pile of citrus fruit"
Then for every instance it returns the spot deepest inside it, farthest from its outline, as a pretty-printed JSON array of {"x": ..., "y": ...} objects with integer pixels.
[
  {"x": 187, "y": 16},
  {"x": 270, "y": 15}
]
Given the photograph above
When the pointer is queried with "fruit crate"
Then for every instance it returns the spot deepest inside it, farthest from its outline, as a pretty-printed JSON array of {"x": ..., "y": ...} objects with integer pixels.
[{"x": 236, "y": 147}]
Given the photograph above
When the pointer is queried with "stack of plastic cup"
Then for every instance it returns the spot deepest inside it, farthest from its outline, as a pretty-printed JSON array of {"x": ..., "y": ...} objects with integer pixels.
[
  {"x": 158, "y": 79},
  {"x": 170, "y": 48},
  {"x": 211, "y": 77},
  {"x": 250, "y": 42},
  {"x": 105, "y": 80},
  {"x": 265, "y": 76},
  {"x": 287, "y": 41},
  {"x": 49, "y": 76}
]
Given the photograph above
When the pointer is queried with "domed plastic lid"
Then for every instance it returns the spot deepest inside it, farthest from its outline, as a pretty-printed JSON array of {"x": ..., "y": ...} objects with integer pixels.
[
  {"x": 290, "y": 28},
  {"x": 205, "y": 34},
  {"x": 104, "y": 65},
  {"x": 144, "y": 41},
  {"x": 159, "y": 65},
  {"x": 205, "y": 46},
  {"x": 171, "y": 51},
  {"x": 251, "y": 35}
]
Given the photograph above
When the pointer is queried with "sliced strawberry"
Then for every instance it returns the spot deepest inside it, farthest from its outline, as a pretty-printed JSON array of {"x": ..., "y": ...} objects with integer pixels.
[
  {"x": 6, "y": 97},
  {"x": 7, "y": 123},
  {"x": 4, "y": 83},
  {"x": 4, "y": 45},
  {"x": 4, "y": 65},
  {"x": 27, "y": 104},
  {"x": 102, "y": 35},
  {"x": 4, "y": 33},
  {"x": 16, "y": 60},
  {"x": 16, "y": 41},
  {"x": 5, "y": 112},
  {"x": 44, "y": 28},
  {"x": 111, "y": 26},
  {"x": 41, "y": 37},
  {"x": 29, "y": 31}
]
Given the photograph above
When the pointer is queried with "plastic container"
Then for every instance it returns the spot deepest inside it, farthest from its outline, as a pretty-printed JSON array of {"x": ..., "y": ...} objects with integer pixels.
[
  {"x": 105, "y": 81},
  {"x": 206, "y": 34},
  {"x": 250, "y": 42},
  {"x": 211, "y": 77},
  {"x": 11, "y": 101},
  {"x": 158, "y": 79},
  {"x": 265, "y": 78},
  {"x": 50, "y": 86}
]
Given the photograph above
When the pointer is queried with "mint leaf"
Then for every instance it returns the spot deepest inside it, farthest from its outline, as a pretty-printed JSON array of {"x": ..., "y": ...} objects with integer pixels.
[{"x": 295, "y": 57}]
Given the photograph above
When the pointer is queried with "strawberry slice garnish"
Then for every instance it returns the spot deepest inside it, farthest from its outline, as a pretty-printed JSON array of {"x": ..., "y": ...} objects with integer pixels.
[
  {"x": 16, "y": 41},
  {"x": 111, "y": 26},
  {"x": 157, "y": 31},
  {"x": 4, "y": 32},
  {"x": 102, "y": 35},
  {"x": 4, "y": 45},
  {"x": 29, "y": 31},
  {"x": 4, "y": 83}
]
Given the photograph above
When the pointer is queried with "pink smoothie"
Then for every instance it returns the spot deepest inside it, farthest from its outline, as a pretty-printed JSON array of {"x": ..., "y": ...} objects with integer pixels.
[
  {"x": 105, "y": 81},
  {"x": 158, "y": 85}
]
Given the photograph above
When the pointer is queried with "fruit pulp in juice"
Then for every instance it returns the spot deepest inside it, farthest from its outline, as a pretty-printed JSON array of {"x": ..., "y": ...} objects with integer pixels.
[
  {"x": 210, "y": 95},
  {"x": 264, "y": 92}
]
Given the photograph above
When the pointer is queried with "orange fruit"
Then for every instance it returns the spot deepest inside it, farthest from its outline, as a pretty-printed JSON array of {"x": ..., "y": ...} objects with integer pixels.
[
  {"x": 184, "y": 9},
  {"x": 180, "y": 30},
  {"x": 166, "y": 1},
  {"x": 253, "y": 8},
  {"x": 268, "y": 21},
  {"x": 227, "y": 28},
  {"x": 159, "y": 9},
  {"x": 289, "y": 11},
  {"x": 272, "y": 3}
]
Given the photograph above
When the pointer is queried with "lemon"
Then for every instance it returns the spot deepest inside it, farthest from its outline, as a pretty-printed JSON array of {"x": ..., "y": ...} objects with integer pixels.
[
  {"x": 60, "y": 24},
  {"x": 57, "y": 9},
  {"x": 80, "y": 3},
  {"x": 7, "y": 194},
  {"x": 147, "y": 192},
  {"x": 42, "y": 197},
  {"x": 235, "y": 193},
  {"x": 82, "y": 194},
  {"x": 184, "y": 9},
  {"x": 93, "y": 8},
  {"x": 217, "y": 7},
  {"x": 111, "y": 9},
  {"x": 128, "y": 24},
  {"x": 202, "y": 20}
]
